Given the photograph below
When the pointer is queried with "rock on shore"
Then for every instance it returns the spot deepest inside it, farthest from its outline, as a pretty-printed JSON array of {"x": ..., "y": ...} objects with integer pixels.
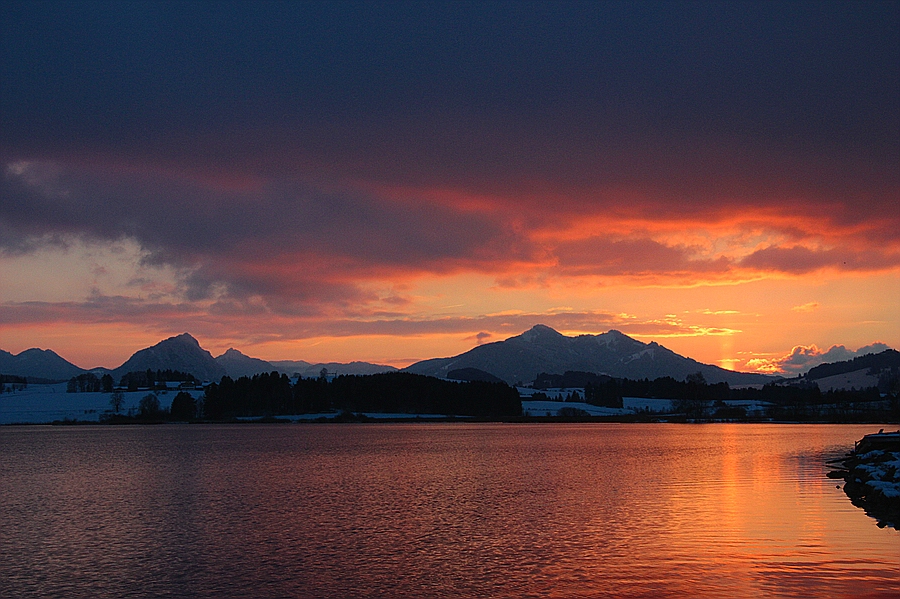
[{"x": 872, "y": 477}]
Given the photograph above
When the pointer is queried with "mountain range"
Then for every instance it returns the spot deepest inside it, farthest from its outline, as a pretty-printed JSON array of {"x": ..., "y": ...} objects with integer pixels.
[
  {"x": 182, "y": 353},
  {"x": 519, "y": 359},
  {"x": 522, "y": 358}
]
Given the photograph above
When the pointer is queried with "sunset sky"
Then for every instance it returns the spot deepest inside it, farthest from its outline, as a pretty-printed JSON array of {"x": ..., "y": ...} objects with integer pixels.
[{"x": 391, "y": 182}]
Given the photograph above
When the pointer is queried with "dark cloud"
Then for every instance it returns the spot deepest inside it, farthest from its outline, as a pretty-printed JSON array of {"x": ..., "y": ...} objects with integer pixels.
[
  {"x": 178, "y": 219},
  {"x": 800, "y": 259},
  {"x": 201, "y": 65},
  {"x": 284, "y": 239},
  {"x": 573, "y": 95},
  {"x": 96, "y": 310},
  {"x": 605, "y": 256}
]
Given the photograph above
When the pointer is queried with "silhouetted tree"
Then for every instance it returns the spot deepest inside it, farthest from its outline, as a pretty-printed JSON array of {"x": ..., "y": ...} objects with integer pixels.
[
  {"x": 154, "y": 380},
  {"x": 117, "y": 400},
  {"x": 184, "y": 407},
  {"x": 149, "y": 406},
  {"x": 83, "y": 383},
  {"x": 696, "y": 378}
]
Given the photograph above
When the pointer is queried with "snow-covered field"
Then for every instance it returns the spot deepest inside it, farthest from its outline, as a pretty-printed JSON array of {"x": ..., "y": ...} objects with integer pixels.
[
  {"x": 558, "y": 396},
  {"x": 39, "y": 404},
  {"x": 859, "y": 379},
  {"x": 42, "y": 404},
  {"x": 630, "y": 405},
  {"x": 45, "y": 403}
]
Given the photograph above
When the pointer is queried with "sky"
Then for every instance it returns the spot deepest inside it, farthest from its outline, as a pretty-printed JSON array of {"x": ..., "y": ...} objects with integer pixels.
[{"x": 390, "y": 182}]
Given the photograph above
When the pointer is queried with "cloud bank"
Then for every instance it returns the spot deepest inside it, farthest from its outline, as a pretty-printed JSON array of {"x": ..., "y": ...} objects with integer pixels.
[
  {"x": 803, "y": 357},
  {"x": 320, "y": 167}
]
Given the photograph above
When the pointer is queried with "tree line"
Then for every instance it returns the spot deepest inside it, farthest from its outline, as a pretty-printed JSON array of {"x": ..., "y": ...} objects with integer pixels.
[
  {"x": 695, "y": 398},
  {"x": 15, "y": 383},
  {"x": 395, "y": 392},
  {"x": 89, "y": 382}
]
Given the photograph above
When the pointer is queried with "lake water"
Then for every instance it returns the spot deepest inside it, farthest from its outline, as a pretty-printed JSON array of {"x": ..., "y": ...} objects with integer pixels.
[{"x": 435, "y": 510}]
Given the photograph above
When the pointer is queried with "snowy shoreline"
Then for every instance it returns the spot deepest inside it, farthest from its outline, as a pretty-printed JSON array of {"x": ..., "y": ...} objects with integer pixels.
[
  {"x": 48, "y": 403},
  {"x": 871, "y": 475}
]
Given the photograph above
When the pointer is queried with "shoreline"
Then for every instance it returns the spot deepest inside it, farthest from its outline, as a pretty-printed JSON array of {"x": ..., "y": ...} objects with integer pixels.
[
  {"x": 362, "y": 418},
  {"x": 871, "y": 475}
]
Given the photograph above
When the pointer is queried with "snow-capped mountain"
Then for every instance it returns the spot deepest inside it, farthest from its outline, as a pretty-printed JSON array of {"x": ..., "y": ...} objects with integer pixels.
[{"x": 542, "y": 349}]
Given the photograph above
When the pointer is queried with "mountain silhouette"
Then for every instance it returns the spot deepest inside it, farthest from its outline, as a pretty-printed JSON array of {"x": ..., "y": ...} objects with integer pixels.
[
  {"x": 237, "y": 364},
  {"x": 540, "y": 349},
  {"x": 307, "y": 370},
  {"x": 521, "y": 358},
  {"x": 182, "y": 353},
  {"x": 38, "y": 364}
]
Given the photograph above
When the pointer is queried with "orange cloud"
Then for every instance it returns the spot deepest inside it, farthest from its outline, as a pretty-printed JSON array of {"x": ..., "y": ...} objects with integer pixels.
[
  {"x": 480, "y": 338},
  {"x": 807, "y": 307},
  {"x": 803, "y": 357}
]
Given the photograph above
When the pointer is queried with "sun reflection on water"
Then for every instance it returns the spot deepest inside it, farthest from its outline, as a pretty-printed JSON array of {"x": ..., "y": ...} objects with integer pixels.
[{"x": 456, "y": 510}]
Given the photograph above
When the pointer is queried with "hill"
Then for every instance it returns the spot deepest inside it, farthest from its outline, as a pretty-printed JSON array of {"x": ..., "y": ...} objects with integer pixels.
[
  {"x": 291, "y": 367},
  {"x": 541, "y": 349},
  {"x": 889, "y": 358},
  {"x": 307, "y": 370},
  {"x": 237, "y": 364},
  {"x": 472, "y": 374},
  {"x": 42, "y": 364}
]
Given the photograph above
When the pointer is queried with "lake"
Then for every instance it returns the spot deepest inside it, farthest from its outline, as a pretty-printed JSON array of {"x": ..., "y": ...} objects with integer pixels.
[{"x": 436, "y": 510}]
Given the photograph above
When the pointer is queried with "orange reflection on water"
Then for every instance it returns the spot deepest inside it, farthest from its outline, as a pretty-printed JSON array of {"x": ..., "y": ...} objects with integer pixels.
[{"x": 449, "y": 510}]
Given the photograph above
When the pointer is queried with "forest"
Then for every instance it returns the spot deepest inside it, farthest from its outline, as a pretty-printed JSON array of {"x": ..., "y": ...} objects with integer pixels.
[
  {"x": 394, "y": 392},
  {"x": 89, "y": 382}
]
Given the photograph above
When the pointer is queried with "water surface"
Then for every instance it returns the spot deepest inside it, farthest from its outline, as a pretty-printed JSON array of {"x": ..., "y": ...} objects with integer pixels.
[{"x": 435, "y": 510}]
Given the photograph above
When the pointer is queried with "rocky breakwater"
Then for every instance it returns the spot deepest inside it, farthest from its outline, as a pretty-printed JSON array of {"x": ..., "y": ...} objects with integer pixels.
[{"x": 871, "y": 474}]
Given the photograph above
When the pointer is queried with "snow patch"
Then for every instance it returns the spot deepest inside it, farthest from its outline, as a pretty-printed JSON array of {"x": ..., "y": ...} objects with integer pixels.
[{"x": 43, "y": 404}]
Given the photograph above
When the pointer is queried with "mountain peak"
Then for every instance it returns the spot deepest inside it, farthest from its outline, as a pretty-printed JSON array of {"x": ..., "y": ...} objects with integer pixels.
[
  {"x": 541, "y": 331},
  {"x": 181, "y": 352},
  {"x": 38, "y": 363},
  {"x": 184, "y": 338},
  {"x": 238, "y": 364}
]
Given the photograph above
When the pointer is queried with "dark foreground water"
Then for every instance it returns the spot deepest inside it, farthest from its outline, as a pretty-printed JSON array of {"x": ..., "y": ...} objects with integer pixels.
[{"x": 435, "y": 510}]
